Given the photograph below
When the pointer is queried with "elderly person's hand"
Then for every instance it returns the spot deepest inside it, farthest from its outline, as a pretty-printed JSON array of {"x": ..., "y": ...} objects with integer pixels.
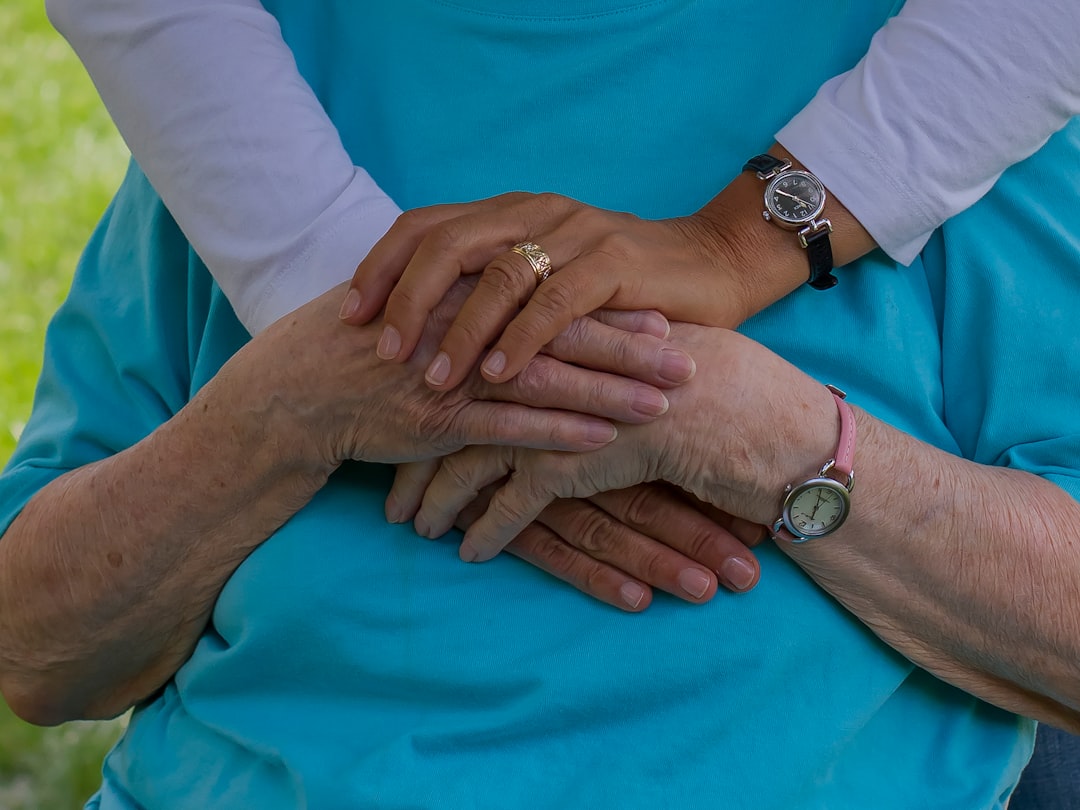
[
  {"x": 728, "y": 439},
  {"x": 328, "y": 384},
  {"x": 615, "y": 546},
  {"x": 938, "y": 555},
  {"x": 130, "y": 553},
  {"x": 715, "y": 267}
]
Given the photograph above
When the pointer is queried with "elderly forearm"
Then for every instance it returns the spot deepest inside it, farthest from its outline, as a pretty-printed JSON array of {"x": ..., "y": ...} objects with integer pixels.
[
  {"x": 128, "y": 556},
  {"x": 973, "y": 572}
]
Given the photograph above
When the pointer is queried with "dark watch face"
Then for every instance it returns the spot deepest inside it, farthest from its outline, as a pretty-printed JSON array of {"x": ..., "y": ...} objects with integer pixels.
[{"x": 795, "y": 197}]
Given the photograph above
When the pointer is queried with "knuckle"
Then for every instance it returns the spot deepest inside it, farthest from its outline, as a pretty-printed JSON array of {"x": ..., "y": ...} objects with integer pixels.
[
  {"x": 503, "y": 279},
  {"x": 617, "y": 245},
  {"x": 535, "y": 378},
  {"x": 407, "y": 297},
  {"x": 551, "y": 308},
  {"x": 413, "y": 220},
  {"x": 642, "y": 506},
  {"x": 468, "y": 331},
  {"x": 446, "y": 236},
  {"x": 594, "y": 532},
  {"x": 552, "y": 204},
  {"x": 586, "y": 219},
  {"x": 595, "y": 579},
  {"x": 459, "y": 470},
  {"x": 511, "y": 505},
  {"x": 653, "y": 568},
  {"x": 577, "y": 331},
  {"x": 702, "y": 543}
]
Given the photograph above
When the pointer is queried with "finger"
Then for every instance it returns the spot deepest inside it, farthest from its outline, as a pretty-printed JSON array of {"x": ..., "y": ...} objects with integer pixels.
[
  {"x": 410, "y": 482},
  {"x": 608, "y": 539},
  {"x": 550, "y": 309},
  {"x": 647, "y": 321},
  {"x": 587, "y": 342},
  {"x": 748, "y": 533},
  {"x": 504, "y": 286},
  {"x": 549, "y": 383},
  {"x": 458, "y": 480},
  {"x": 592, "y": 280},
  {"x": 659, "y": 513},
  {"x": 540, "y": 546},
  {"x": 505, "y": 423},
  {"x": 380, "y": 270},
  {"x": 513, "y": 507},
  {"x": 450, "y": 249},
  {"x": 545, "y": 549}
]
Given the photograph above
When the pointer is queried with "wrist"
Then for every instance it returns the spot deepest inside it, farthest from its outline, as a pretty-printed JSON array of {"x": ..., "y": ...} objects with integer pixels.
[
  {"x": 817, "y": 505},
  {"x": 764, "y": 262},
  {"x": 770, "y": 262},
  {"x": 261, "y": 441}
]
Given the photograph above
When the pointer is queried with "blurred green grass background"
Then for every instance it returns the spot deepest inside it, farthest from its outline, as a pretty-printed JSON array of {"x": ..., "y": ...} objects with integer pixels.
[{"x": 60, "y": 161}]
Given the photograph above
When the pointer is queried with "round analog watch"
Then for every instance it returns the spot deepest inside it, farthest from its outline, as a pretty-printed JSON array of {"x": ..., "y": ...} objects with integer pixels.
[
  {"x": 819, "y": 505},
  {"x": 814, "y": 508},
  {"x": 794, "y": 200}
]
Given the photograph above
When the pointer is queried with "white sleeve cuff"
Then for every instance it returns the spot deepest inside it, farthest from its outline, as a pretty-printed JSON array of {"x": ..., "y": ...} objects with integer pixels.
[
  {"x": 948, "y": 96},
  {"x": 321, "y": 257}
]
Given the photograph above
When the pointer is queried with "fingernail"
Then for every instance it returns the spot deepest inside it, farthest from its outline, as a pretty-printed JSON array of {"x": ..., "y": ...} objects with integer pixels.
[
  {"x": 649, "y": 402},
  {"x": 393, "y": 510},
  {"x": 738, "y": 572},
  {"x": 632, "y": 594},
  {"x": 467, "y": 553},
  {"x": 351, "y": 305},
  {"x": 439, "y": 369},
  {"x": 494, "y": 364},
  {"x": 676, "y": 366},
  {"x": 601, "y": 433},
  {"x": 422, "y": 527},
  {"x": 389, "y": 343},
  {"x": 694, "y": 582}
]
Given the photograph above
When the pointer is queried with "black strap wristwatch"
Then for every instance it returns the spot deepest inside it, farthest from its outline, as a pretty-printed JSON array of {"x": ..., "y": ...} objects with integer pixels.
[{"x": 793, "y": 200}]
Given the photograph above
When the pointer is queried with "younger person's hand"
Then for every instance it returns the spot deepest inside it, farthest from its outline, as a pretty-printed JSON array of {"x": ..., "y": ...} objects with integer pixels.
[
  {"x": 716, "y": 267},
  {"x": 599, "y": 259}
]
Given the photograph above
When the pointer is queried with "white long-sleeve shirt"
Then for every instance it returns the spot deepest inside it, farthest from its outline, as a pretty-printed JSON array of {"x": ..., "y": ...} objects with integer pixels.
[{"x": 208, "y": 97}]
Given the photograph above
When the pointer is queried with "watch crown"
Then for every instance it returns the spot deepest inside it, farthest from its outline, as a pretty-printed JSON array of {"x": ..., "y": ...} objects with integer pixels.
[{"x": 765, "y": 216}]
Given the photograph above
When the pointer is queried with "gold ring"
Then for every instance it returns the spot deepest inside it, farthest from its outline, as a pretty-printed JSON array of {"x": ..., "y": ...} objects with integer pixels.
[{"x": 537, "y": 258}]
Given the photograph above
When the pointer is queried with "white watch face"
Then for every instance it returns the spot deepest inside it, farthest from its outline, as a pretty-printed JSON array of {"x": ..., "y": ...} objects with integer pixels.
[
  {"x": 816, "y": 507},
  {"x": 795, "y": 197}
]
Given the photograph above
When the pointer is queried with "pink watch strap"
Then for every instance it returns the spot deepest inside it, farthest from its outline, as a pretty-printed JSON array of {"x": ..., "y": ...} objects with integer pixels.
[{"x": 845, "y": 448}]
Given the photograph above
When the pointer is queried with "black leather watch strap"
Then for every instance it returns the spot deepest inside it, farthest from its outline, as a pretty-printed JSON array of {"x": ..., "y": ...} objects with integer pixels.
[
  {"x": 814, "y": 237},
  {"x": 819, "y": 254},
  {"x": 765, "y": 164}
]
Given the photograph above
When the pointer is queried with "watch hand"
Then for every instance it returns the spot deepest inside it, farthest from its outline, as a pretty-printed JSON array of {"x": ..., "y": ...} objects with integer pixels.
[{"x": 797, "y": 199}]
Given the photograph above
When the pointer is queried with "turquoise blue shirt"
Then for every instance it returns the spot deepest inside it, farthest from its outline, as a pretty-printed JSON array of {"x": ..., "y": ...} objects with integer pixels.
[{"x": 349, "y": 664}]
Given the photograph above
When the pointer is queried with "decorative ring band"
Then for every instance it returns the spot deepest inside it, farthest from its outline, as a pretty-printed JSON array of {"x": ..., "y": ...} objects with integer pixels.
[{"x": 537, "y": 258}]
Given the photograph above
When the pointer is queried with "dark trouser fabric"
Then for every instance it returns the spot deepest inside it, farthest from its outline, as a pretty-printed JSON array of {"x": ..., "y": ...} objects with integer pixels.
[{"x": 1052, "y": 780}]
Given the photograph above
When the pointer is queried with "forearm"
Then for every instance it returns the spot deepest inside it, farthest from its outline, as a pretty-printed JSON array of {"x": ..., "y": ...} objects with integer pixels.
[
  {"x": 210, "y": 100},
  {"x": 949, "y": 95},
  {"x": 972, "y": 572},
  {"x": 128, "y": 556}
]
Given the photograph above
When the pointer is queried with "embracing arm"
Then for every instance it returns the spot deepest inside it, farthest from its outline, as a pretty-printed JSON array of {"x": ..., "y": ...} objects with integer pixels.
[
  {"x": 949, "y": 95},
  {"x": 209, "y": 99},
  {"x": 128, "y": 555},
  {"x": 109, "y": 573}
]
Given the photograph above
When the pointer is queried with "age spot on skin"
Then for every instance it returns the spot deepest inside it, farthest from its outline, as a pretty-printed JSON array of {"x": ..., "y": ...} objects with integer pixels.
[{"x": 115, "y": 558}]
